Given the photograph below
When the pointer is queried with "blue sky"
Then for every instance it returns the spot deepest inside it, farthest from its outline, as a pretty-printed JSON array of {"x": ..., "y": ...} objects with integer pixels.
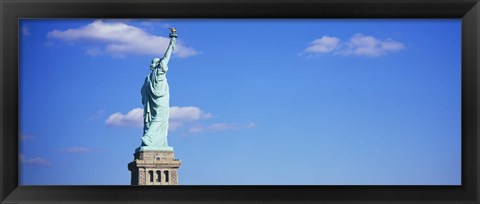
[{"x": 282, "y": 102}]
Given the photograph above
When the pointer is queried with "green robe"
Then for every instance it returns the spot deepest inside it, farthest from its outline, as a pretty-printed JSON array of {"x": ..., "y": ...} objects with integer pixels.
[{"x": 156, "y": 103}]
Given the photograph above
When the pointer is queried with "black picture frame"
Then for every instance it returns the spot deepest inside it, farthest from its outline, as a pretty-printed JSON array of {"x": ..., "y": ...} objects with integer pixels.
[{"x": 13, "y": 10}]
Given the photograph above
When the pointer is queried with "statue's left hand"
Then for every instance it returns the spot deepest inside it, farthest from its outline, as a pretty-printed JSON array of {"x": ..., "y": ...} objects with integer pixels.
[{"x": 173, "y": 33}]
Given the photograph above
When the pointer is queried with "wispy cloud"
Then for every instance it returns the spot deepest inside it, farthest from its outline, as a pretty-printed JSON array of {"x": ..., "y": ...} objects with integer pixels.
[
  {"x": 188, "y": 118},
  {"x": 75, "y": 150},
  {"x": 220, "y": 127},
  {"x": 151, "y": 24},
  {"x": 214, "y": 127},
  {"x": 94, "y": 51},
  {"x": 97, "y": 115},
  {"x": 25, "y": 31},
  {"x": 26, "y": 137},
  {"x": 39, "y": 161},
  {"x": 358, "y": 45},
  {"x": 117, "y": 38}
]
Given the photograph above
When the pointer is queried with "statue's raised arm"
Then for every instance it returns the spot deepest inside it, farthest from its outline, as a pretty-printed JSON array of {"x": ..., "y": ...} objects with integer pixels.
[{"x": 171, "y": 46}]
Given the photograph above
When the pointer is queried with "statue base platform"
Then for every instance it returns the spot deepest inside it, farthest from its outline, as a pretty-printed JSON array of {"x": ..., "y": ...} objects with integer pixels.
[
  {"x": 154, "y": 167},
  {"x": 147, "y": 148}
]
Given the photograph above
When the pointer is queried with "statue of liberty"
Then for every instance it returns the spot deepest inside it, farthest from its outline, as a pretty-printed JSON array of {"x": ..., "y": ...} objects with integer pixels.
[{"x": 155, "y": 100}]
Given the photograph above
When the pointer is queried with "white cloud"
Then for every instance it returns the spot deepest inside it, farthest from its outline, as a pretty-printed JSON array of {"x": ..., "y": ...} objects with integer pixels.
[
  {"x": 181, "y": 115},
  {"x": 76, "y": 149},
  {"x": 358, "y": 45},
  {"x": 178, "y": 117},
  {"x": 188, "y": 113},
  {"x": 33, "y": 161},
  {"x": 324, "y": 44},
  {"x": 119, "y": 39},
  {"x": 133, "y": 118},
  {"x": 187, "y": 118}
]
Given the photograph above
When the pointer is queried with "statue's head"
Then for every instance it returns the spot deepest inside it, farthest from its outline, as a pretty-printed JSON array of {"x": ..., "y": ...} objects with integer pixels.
[{"x": 155, "y": 63}]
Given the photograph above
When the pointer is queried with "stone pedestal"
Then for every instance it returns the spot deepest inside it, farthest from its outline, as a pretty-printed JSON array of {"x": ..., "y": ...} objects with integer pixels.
[{"x": 154, "y": 168}]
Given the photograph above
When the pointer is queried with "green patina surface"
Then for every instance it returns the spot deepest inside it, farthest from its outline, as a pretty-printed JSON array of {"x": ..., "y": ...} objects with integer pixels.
[{"x": 156, "y": 103}]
